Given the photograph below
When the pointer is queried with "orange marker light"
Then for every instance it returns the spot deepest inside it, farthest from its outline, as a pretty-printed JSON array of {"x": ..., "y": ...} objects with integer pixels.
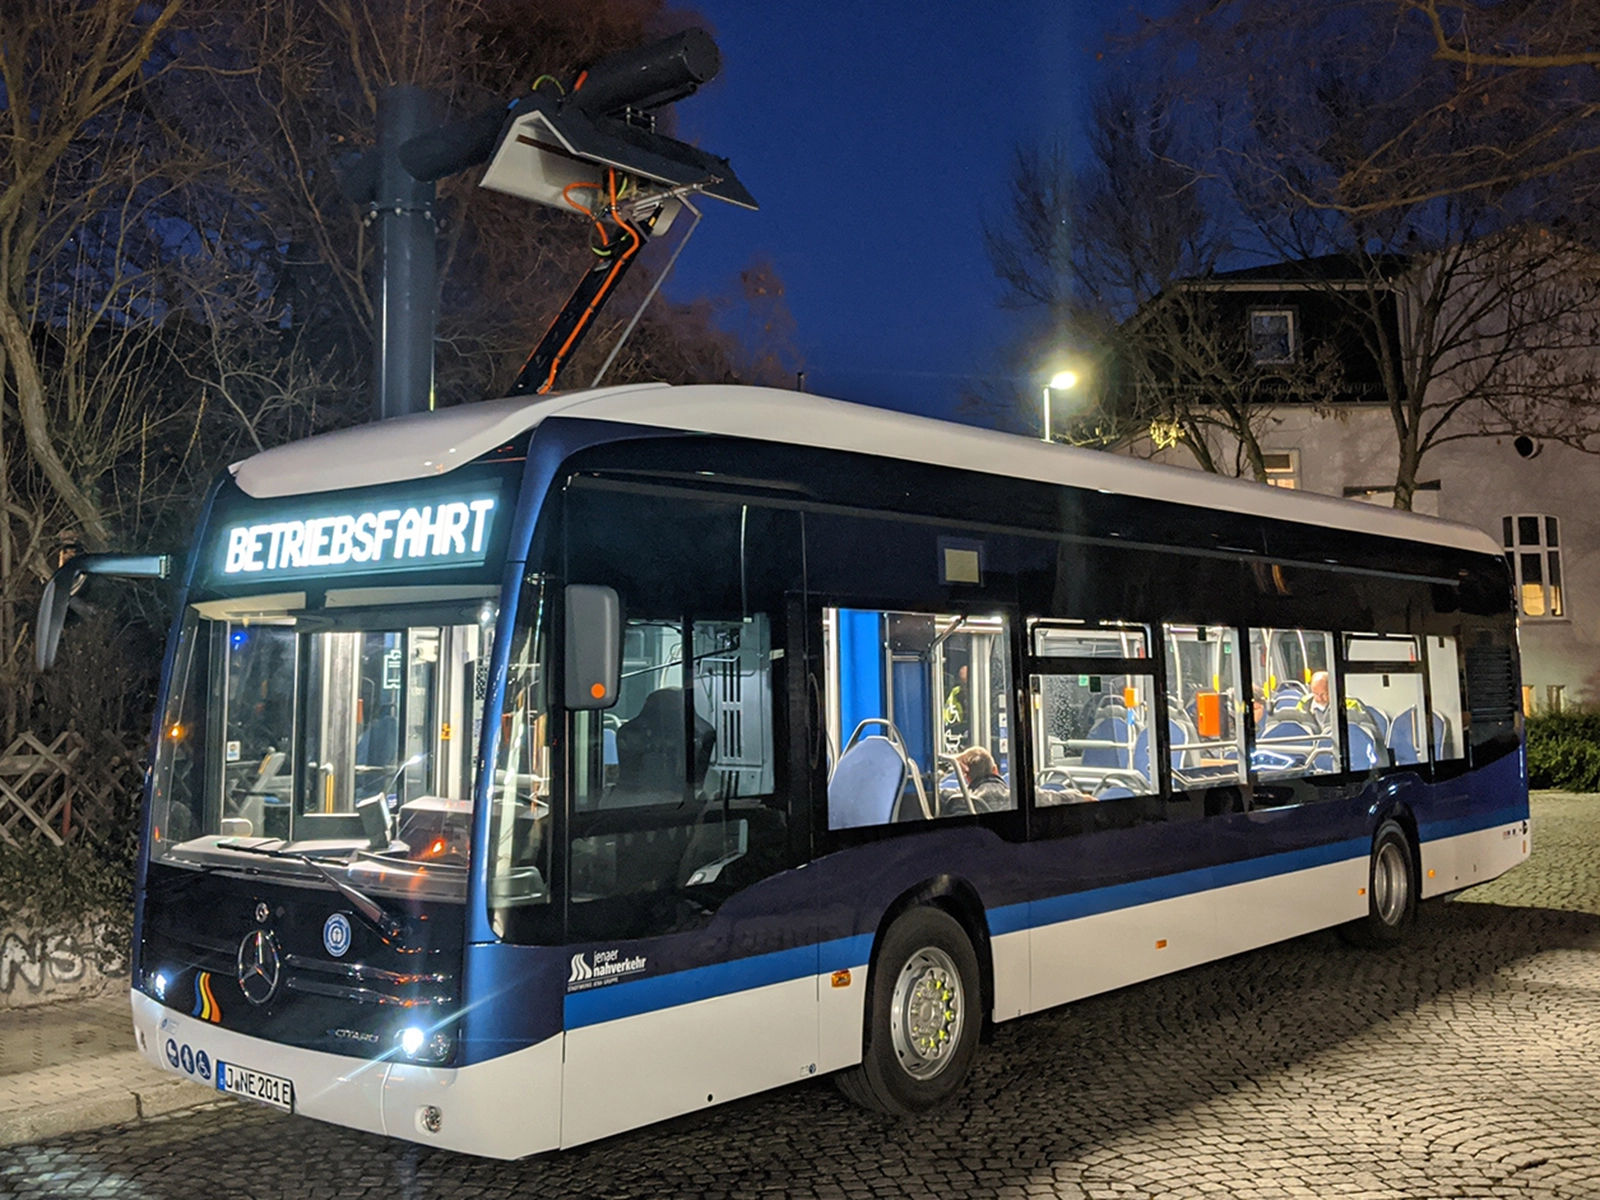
[
  {"x": 1161, "y": 943},
  {"x": 597, "y": 690},
  {"x": 1361, "y": 891},
  {"x": 841, "y": 979},
  {"x": 1430, "y": 872}
]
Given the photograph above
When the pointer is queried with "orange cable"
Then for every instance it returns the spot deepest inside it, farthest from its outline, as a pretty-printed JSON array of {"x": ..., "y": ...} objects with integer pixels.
[
  {"x": 594, "y": 304},
  {"x": 588, "y": 212}
]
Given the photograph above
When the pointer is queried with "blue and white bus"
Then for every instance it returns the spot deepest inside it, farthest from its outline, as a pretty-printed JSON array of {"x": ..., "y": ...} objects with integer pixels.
[{"x": 537, "y": 769}]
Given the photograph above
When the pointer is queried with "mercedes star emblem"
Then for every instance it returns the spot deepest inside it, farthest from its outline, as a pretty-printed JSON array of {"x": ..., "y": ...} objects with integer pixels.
[
  {"x": 258, "y": 966},
  {"x": 262, "y": 912}
]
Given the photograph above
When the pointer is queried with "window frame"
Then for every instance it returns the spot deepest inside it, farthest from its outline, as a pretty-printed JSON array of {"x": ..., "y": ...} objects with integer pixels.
[
  {"x": 1053, "y": 821},
  {"x": 1547, "y": 549},
  {"x": 825, "y": 708},
  {"x": 1292, "y": 314},
  {"x": 1286, "y": 478}
]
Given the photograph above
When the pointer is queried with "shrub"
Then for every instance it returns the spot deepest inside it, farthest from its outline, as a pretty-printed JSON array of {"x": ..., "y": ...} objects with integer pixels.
[
  {"x": 1564, "y": 751},
  {"x": 52, "y": 887}
]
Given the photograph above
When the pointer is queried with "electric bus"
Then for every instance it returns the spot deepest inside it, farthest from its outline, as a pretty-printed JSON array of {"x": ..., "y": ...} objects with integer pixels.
[{"x": 537, "y": 769}]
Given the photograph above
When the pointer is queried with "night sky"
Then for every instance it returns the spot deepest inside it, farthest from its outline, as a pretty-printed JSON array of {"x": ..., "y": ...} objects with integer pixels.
[{"x": 876, "y": 136}]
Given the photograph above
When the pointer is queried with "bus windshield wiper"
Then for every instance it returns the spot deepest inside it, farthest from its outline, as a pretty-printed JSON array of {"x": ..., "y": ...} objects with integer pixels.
[{"x": 386, "y": 923}]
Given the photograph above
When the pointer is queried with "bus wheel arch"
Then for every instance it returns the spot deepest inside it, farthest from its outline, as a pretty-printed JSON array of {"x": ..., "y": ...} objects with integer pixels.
[
  {"x": 960, "y": 899},
  {"x": 926, "y": 959}
]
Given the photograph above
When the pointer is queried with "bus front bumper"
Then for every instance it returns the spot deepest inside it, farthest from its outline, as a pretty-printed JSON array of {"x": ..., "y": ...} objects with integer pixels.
[{"x": 504, "y": 1108}]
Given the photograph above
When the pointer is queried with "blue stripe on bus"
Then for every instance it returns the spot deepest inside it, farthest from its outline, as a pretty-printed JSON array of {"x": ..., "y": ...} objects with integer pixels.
[
  {"x": 1433, "y": 831},
  {"x": 1015, "y": 918},
  {"x": 618, "y": 1000}
]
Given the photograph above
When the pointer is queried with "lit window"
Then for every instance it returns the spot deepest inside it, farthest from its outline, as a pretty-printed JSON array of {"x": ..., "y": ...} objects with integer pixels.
[
  {"x": 1533, "y": 550},
  {"x": 1283, "y": 468},
  {"x": 1272, "y": 335}
]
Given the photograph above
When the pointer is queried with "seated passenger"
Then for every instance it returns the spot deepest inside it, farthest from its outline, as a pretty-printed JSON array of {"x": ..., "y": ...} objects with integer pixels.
[
  {"x": 988, "y": 791},
  {"x": 1315, "y": 702}
]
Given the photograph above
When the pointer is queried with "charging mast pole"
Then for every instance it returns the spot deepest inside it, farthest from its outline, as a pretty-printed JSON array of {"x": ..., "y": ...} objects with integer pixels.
[
  {"x": 400, "y": 214},
  {"x": 595, "y": 139}
]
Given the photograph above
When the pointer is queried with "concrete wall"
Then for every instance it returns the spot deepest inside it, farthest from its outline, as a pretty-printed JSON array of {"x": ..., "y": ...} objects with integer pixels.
[
  {"x": 1480, "y": 481},
  {"x": 41, "y": 966}
]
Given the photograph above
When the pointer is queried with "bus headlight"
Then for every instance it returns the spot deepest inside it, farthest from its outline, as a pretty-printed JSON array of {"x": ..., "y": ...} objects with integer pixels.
[
  {"x": 158, "y": 985},
  {"x": 420, "y": 1046}
]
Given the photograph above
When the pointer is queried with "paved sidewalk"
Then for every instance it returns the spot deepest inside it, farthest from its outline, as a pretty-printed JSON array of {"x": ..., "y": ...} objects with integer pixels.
[{"x": 72, "y": 1066}]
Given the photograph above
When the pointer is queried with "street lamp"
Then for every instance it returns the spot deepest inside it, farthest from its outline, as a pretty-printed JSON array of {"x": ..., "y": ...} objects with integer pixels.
[{"x": 1060, "y": 382}]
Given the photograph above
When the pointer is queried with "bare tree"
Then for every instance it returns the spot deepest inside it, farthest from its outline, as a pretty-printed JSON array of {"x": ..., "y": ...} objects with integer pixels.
[
  {"x": 1118, "y": 256},
  {"x": 1487, "y": 287},
  {"x": 1353, "y": 130}
]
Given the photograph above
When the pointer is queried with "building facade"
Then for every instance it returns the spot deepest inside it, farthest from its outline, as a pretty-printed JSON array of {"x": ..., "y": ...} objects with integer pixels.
[{"x": 1539, "y": 500}]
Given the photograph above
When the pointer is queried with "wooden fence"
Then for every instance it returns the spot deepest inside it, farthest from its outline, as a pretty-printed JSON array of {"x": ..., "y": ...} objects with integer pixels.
[{"x": 47, "y": 795}]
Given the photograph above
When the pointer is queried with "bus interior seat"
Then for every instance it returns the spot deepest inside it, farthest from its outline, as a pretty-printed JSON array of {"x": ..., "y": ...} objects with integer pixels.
[
  {"x": 650, "y": 753},
  {"x": 914, "y": 804},
  {"x": 1443, "y": 738},
  {"x": 1109, "y": 729},
  {"x": 1177, "y": 736},
  {"x": 1402, "y": 740},
  {"x": 1323, "y": 760},
  {"x": 868, "y": 781},
  {"x": 1363, "y": 748},
  {"x": 1376, "y": 717}
]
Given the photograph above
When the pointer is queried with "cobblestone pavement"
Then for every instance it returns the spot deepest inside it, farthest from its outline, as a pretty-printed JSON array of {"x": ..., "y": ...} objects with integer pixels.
[{"x": 1467, "y": 1064}]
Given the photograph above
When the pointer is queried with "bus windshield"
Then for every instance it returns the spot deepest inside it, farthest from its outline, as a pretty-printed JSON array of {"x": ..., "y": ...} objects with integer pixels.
[{"x": 346, "y": 732}]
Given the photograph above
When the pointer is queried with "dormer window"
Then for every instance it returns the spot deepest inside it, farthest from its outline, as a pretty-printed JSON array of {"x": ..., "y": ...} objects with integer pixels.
[{"x": 1273, "y": 335}]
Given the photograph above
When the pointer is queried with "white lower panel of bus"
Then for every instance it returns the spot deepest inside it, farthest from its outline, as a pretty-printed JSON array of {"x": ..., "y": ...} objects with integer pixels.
[
  {"x": 653, "y": 1065},
  {"x": 1452, "y": 863},
  {"x": 378, "y": 1096},
  {"x": 1098, "y": 953}
]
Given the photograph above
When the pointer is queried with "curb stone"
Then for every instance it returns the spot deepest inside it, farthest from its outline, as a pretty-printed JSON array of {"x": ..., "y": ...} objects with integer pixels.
[{"x": 142, "y": 1092}]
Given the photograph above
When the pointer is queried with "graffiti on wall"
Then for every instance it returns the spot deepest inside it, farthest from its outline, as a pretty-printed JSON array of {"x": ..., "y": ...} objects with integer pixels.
[{"x": 32, "y": 963}]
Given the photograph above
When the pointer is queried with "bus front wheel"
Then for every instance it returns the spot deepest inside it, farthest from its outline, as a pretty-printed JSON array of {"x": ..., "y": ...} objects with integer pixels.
[
  {"x": 923, "y": 1018},
  {"x": 1391, "y": 890}
]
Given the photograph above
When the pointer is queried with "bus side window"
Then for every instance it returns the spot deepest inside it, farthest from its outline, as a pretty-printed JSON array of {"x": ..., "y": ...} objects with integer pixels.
[
  {"x": 1091, "y": 690},
  {"x": 1205, "y": 707},
  {"x": 918, "y": 716},
  {"x": 1386, "y": 711},
  {"x": 1444, "y": 686},
  {"x": 1294, "y": 702}
]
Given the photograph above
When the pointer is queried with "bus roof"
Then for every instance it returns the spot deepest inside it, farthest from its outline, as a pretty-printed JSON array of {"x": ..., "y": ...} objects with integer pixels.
[{"x": 428, "y": 444}]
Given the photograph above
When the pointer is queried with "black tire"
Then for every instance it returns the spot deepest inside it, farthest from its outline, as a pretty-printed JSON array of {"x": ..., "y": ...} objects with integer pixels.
[
  {"x": 923, "y": 1017},
  {"x": 1391, "y": 890}
]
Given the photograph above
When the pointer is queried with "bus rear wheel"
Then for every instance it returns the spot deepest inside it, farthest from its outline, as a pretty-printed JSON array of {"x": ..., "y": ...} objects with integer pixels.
[
  {"x": 923, "y": 1018},
  {"x": 1391, "y": 890}
]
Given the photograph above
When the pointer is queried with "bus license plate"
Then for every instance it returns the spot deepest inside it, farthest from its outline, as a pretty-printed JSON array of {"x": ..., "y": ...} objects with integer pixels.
[{"x": 254, "y": 1085}]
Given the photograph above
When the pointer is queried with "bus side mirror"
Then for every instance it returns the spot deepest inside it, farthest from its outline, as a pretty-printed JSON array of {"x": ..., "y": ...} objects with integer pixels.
[
  {"x": 65, "y": 583},
  {"x": 594, "y": 646}
]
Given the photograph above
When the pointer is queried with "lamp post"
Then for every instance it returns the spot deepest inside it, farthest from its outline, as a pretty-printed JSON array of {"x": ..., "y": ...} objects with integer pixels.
[{"x": 1061, "y": 381}]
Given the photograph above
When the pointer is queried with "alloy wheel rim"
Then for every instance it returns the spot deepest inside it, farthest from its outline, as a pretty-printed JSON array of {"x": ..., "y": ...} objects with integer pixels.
[
  {"x": 1391, "y": 884},
  {"x": 929, "y": 1011}
]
